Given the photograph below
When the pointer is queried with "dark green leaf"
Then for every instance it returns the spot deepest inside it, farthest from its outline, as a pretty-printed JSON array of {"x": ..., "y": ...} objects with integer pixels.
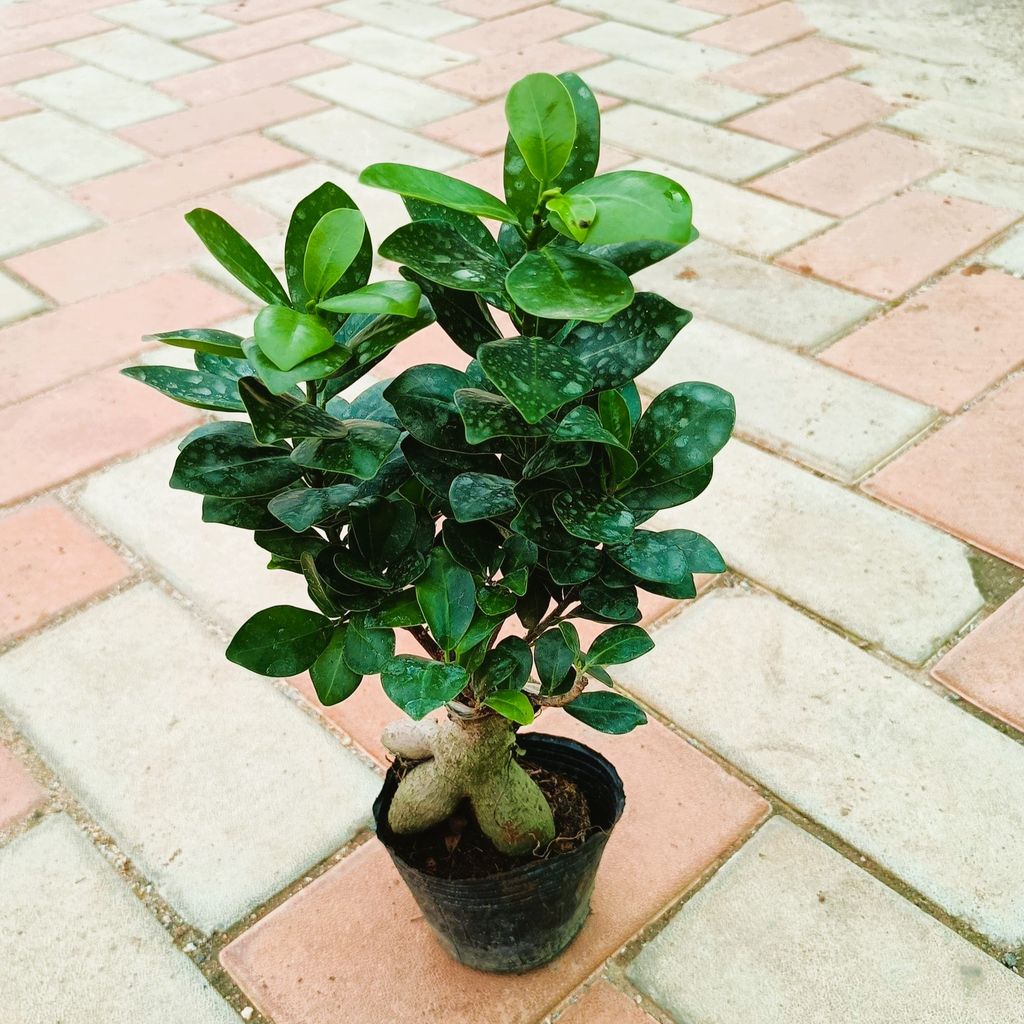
[
  {"x": 645, "y": 501},
  {"x": 359, "y": 453},
  {"x": 332, "y": 679},
  {"x": 571, "y": 637},
  {"x": 232, "y": 468},
  {"x": 282, "y": 381},
  {"x": 236, "y": 255},
  {"x": 574, "y": 565},
  {"x": 280, "y": 641},
  {"x": 333, "y": 245},
  {"x": 538, "y": 522},
  {"x": 447, "y": 597},
  {"x": 485, "y": 415},
  {"x": 288, "y": 338},
  {"x": 682, "y": 429},
  {"x": 463, "y": 316},
  {"x": 316, "y": 586},
  {"x": 560, "y": 284},
  {"x": 275, "y": 417},
  {"x": 221, "y": 343},
  {"x": 583, "y": 158},
  {"x": 494, "y": 599},
  {"x": 632, "y": 257},
  {"x": 419, "y": 686},
  {"x": 542, "y": 120},
  {"x": 190, "y": 387},
  {"x": 554, "y": 658},
  {"x": 306, "y": 216},
  {"x": 618, "y": 645},
  {"x": 617, "y": 351},
  {"x": 372, "y": 405},
  {"x": 383, "y": 528},
  {"x": 423, "y": 398},
  {"x": 511, "y": 704},
  {"x": 481, "y": 496},
  {"x": 601, "y": 519},
  {"x": 604, "y": 602},
  {"x": 367, "y": 649},
  {"x": 636, "y": 206},
  {"x": 303, "y": 507},
  {"x": 370, "y": 336},
  {"x": 438, "y": 252},
  {"x": 436, "y": 469},
  {"x": 396, "y": 610},
  {"x": 607, "y": 712},
  {"x": 536, "y": 376},
  {"x": 399, "y": 298},
  {"x": 245, "y": 513},
  {"x": 552, "y": 457},
  {"x": 434, "y": 187},
  {"x": 670, "y": 556},
  {"x": 473, "y": 545}
]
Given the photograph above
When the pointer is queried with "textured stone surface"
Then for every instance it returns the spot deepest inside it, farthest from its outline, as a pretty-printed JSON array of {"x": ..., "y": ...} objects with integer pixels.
[
  {"x": 883, "y": 576},
  {"x": 71, "y": 921},
  {"x": 155, "y": 715},
  {"x": 604, "y": 1004},
  {"x": 945, "y": 345},
  {"x": 829, "y": 728},
  {"x": 789, "y": 930},
  {"x": 20, "y": 794},
  {"x": 785, "y": 69},
  {"x": 986, "y": 509},
  {"x": 829, "y": 421}
]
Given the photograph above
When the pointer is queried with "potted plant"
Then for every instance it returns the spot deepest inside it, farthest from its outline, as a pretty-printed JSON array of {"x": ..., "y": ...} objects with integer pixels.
[{"x": 481, "y": 510}]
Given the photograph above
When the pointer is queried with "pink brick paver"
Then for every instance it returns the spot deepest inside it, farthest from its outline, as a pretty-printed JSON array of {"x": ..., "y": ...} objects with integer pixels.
[
  {"x": 815, "y": 115},
  {"x": 757, "y": 31},
  {"x": 726, "y": 6},
  {"x": 32, "y": 64},
  {"x": 604, "y": 1004},
  {"x": 52, "y": 563},
  {"x": 105, "y": 329},
  {"x": 945, "y": 345},
  {"x": 968, "y": 477},
  {"x": 887, "y": 249},
  {"x": 291, "y": 964},
  {"x": 788, "y": 68},
  {"x": 48, "y": 33},
  {"x": 20, "y": 794},
  {"x": 272, "y": 67},
  {"x": 515, "y": 31},
  {"x": 986, "y": 666},
  {"x": 852, "y": 174},
  {"x": 11, "y": 104},
  {"x": 295, "y": 27},
  {"x": 79, "y": 427},
  {"x": 248, "y": 11}
]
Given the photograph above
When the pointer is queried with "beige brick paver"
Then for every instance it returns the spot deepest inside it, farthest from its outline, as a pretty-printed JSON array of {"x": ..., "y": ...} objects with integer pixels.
[{"x": 858, "y": 181}]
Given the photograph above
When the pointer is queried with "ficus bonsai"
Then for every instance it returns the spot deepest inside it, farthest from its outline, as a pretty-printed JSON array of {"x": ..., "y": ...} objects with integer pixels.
[{"x": 483, "y": 509}]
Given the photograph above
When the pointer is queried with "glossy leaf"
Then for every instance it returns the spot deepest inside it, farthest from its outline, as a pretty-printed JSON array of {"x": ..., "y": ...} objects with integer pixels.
[
  {"x": 537, "y": 522},
  {"x": 359, "y": 453},
  {"x": 244, "y": 513},
  {"x": 280, "y": 382},
  {"x": 572, "y": 215},
  {"x": 419, "y": 686},
  {"x": 437, "y": 469},
  {"x": 542, "y": 120},
  {"x": 367, "y": 649},
  {"x": 280, "y": 641},
  {"x": 190, "y": 387},
  {"x": 463, "y": 316},
  {"x": 571, "y": 636},
  {"x": 645, "y": 501},
  {"x": 554, "y": 658},
  {"x": 586, "y": 149},
  {"x": 435, "y": 187},
  {"x": 447, "y": 597},
  {"x": 221, "y": 343},
  {"x": 511, "y": 704},
  {"x": 495, "y": 599},
  {"x": 423, "y": 398},
  {"x": 236, "y": 255},
  {"x": 232, "y": 468},
  {"x": 396, "y": 610},
  {"x": 607, "y": 712},
  {"x": 397, "y": 298},
  {"x": 636, "y": 206},
  {"x": 574, "y": 565},
  {"x": 481, "y": 496},
  {"x": 438, "y": 252},
  {"x": 370, "y": 336},
  {"x": 486, "y": 415},
  {"x": 307, "y": 214},
  {"x": 536, "y": 376},
  {"x": 609, "y": 604},
  {"x": 631, "y": 341},
  {"x": 670, "y": 556},
  {"x": 559, "y": 284},
  {"x": 618, "y": 645},
  {"x": 303, "y": 507},
  {"x": 475, "y": 546},
  {"x": 332, "y": 678},
  {"x": 333, "y": 245},
  {"x": 682, "y": 429},
  {"x": 275, "y": 417},
  {"x": 287, "y": 338},
  {"x": 631, "y": 257},
  {"x": 603, "y": 520}
]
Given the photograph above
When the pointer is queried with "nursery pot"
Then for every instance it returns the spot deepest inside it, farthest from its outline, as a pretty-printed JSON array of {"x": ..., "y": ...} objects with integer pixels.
[{"x": 524, "y": 917}]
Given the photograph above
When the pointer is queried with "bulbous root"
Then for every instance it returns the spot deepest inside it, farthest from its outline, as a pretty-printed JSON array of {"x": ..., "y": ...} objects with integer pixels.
[{"x": 468, "y": 759}]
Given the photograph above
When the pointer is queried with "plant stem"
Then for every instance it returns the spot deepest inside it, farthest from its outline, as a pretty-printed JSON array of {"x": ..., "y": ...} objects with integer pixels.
[{"x": 426, "y": 641}]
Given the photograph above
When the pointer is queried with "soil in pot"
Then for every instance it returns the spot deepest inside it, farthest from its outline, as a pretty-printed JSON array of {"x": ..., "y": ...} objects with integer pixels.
[{"x": 457, "y": 848}]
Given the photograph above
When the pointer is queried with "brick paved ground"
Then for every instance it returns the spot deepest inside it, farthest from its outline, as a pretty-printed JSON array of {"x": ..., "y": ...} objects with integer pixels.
[{"x": 180, "y": 841}]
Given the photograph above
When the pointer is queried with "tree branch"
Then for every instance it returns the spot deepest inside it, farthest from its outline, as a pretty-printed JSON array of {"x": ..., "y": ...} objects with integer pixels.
[
  {"x": 559, "y": 700},
  {"x": 426, "y": 641}
]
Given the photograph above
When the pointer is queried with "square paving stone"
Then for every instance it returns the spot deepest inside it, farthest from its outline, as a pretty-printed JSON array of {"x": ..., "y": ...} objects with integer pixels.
[
  {"x": 216, "y": 784},
  {"x": 886, "y": 577},
  {"x": 307, "y": 962},
  {"x": 968, "y": 477},
  {"x": 77, "y": 947},
  {"x": 945, "y": 345},
  {"x": 790, "y": 932},
  {"x": 900, "y": 773}
]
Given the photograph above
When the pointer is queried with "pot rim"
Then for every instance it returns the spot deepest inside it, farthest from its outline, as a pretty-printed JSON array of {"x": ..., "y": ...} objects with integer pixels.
[{"x": 522, "y": 870}]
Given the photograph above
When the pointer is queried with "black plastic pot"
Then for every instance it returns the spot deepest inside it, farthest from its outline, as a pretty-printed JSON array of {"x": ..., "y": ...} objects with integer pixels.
[{"x": 525, "y": 917}]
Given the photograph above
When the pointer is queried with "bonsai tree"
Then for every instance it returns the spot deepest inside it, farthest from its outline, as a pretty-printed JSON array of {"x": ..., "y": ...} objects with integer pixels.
[{"x": 483, "y": 509}]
